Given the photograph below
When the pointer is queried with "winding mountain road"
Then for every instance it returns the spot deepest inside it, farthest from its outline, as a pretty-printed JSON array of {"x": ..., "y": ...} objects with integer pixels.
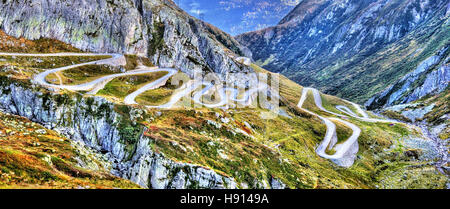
[
  {"x": 98, "y": 84},
  {"x": 119, "y": 60},
  {"x": 130, "y": 99},
  {"x": 344, "y": 155}
]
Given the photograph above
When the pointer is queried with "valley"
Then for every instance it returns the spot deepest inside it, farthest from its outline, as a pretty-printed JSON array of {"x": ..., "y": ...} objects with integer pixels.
[
  {"x": 139, "y": 94},
  {"x": 336, "y": 46}
]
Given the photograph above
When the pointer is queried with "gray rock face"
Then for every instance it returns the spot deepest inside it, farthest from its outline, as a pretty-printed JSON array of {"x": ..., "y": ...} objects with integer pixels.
[
  {"x": 430, "y": 77},
  {"x": 94, "y": 122},
  {"x": 338, "y": 46},
  {"x": 152, "y": 170},
  {"x": 435, "y": 82},
  {"x": 153, "y": 28}
]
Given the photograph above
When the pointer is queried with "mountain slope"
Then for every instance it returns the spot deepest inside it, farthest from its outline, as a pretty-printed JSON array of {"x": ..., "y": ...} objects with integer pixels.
[
  {"x": 156, "y": 29},
  {"x": 338, "y": 45},
  {"x": 431, "y": 77},
  {"x": 217, "y": 148}
]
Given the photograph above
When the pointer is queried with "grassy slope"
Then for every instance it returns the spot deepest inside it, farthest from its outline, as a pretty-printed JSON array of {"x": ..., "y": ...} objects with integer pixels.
[
  {"x": 123, "y": 86},
  {"x": 81, "y": 74},
  {"x": 89, "y": 73},
  {"x": 25, "y": 67},
  {"x": 441, "y": 108},
  {"x": 162, "y": 94},
  {"x": 43, "y": 45},
  {"x": 119, "y": 88},
  {"x": 34, "y": 157}
]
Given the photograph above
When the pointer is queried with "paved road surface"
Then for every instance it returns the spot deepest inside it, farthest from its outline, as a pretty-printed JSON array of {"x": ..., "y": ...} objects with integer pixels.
[{"x": 345, "y": 153}]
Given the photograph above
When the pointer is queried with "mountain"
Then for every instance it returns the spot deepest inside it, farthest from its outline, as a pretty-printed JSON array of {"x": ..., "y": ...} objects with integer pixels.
[
  {"x": 157, "y": 29},
  {"x": 73, "y": 116},
  {"x": 352, "y": 48},
  {"x": 430, "y": 77}
]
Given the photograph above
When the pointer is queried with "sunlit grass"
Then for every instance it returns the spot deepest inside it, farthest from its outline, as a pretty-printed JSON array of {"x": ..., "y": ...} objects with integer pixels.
[{"x": 123, "y": 86}]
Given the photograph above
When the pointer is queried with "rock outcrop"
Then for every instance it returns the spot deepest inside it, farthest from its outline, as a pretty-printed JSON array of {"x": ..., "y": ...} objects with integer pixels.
[
  {"x": 431, "y": 77},
  {"x": 157, "y": 29},
  {"x": 94, "y": 122},
  {"x": 152, "y": 170}
]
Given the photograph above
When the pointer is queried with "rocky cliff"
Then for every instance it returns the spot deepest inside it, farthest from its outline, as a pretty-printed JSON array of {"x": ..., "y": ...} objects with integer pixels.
[
  {"x": 157, "y": 29},
  {"x": 431, "y": 77},
  {"x": 339, "y": 45},
  {"x": 96, "y": 123}
]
